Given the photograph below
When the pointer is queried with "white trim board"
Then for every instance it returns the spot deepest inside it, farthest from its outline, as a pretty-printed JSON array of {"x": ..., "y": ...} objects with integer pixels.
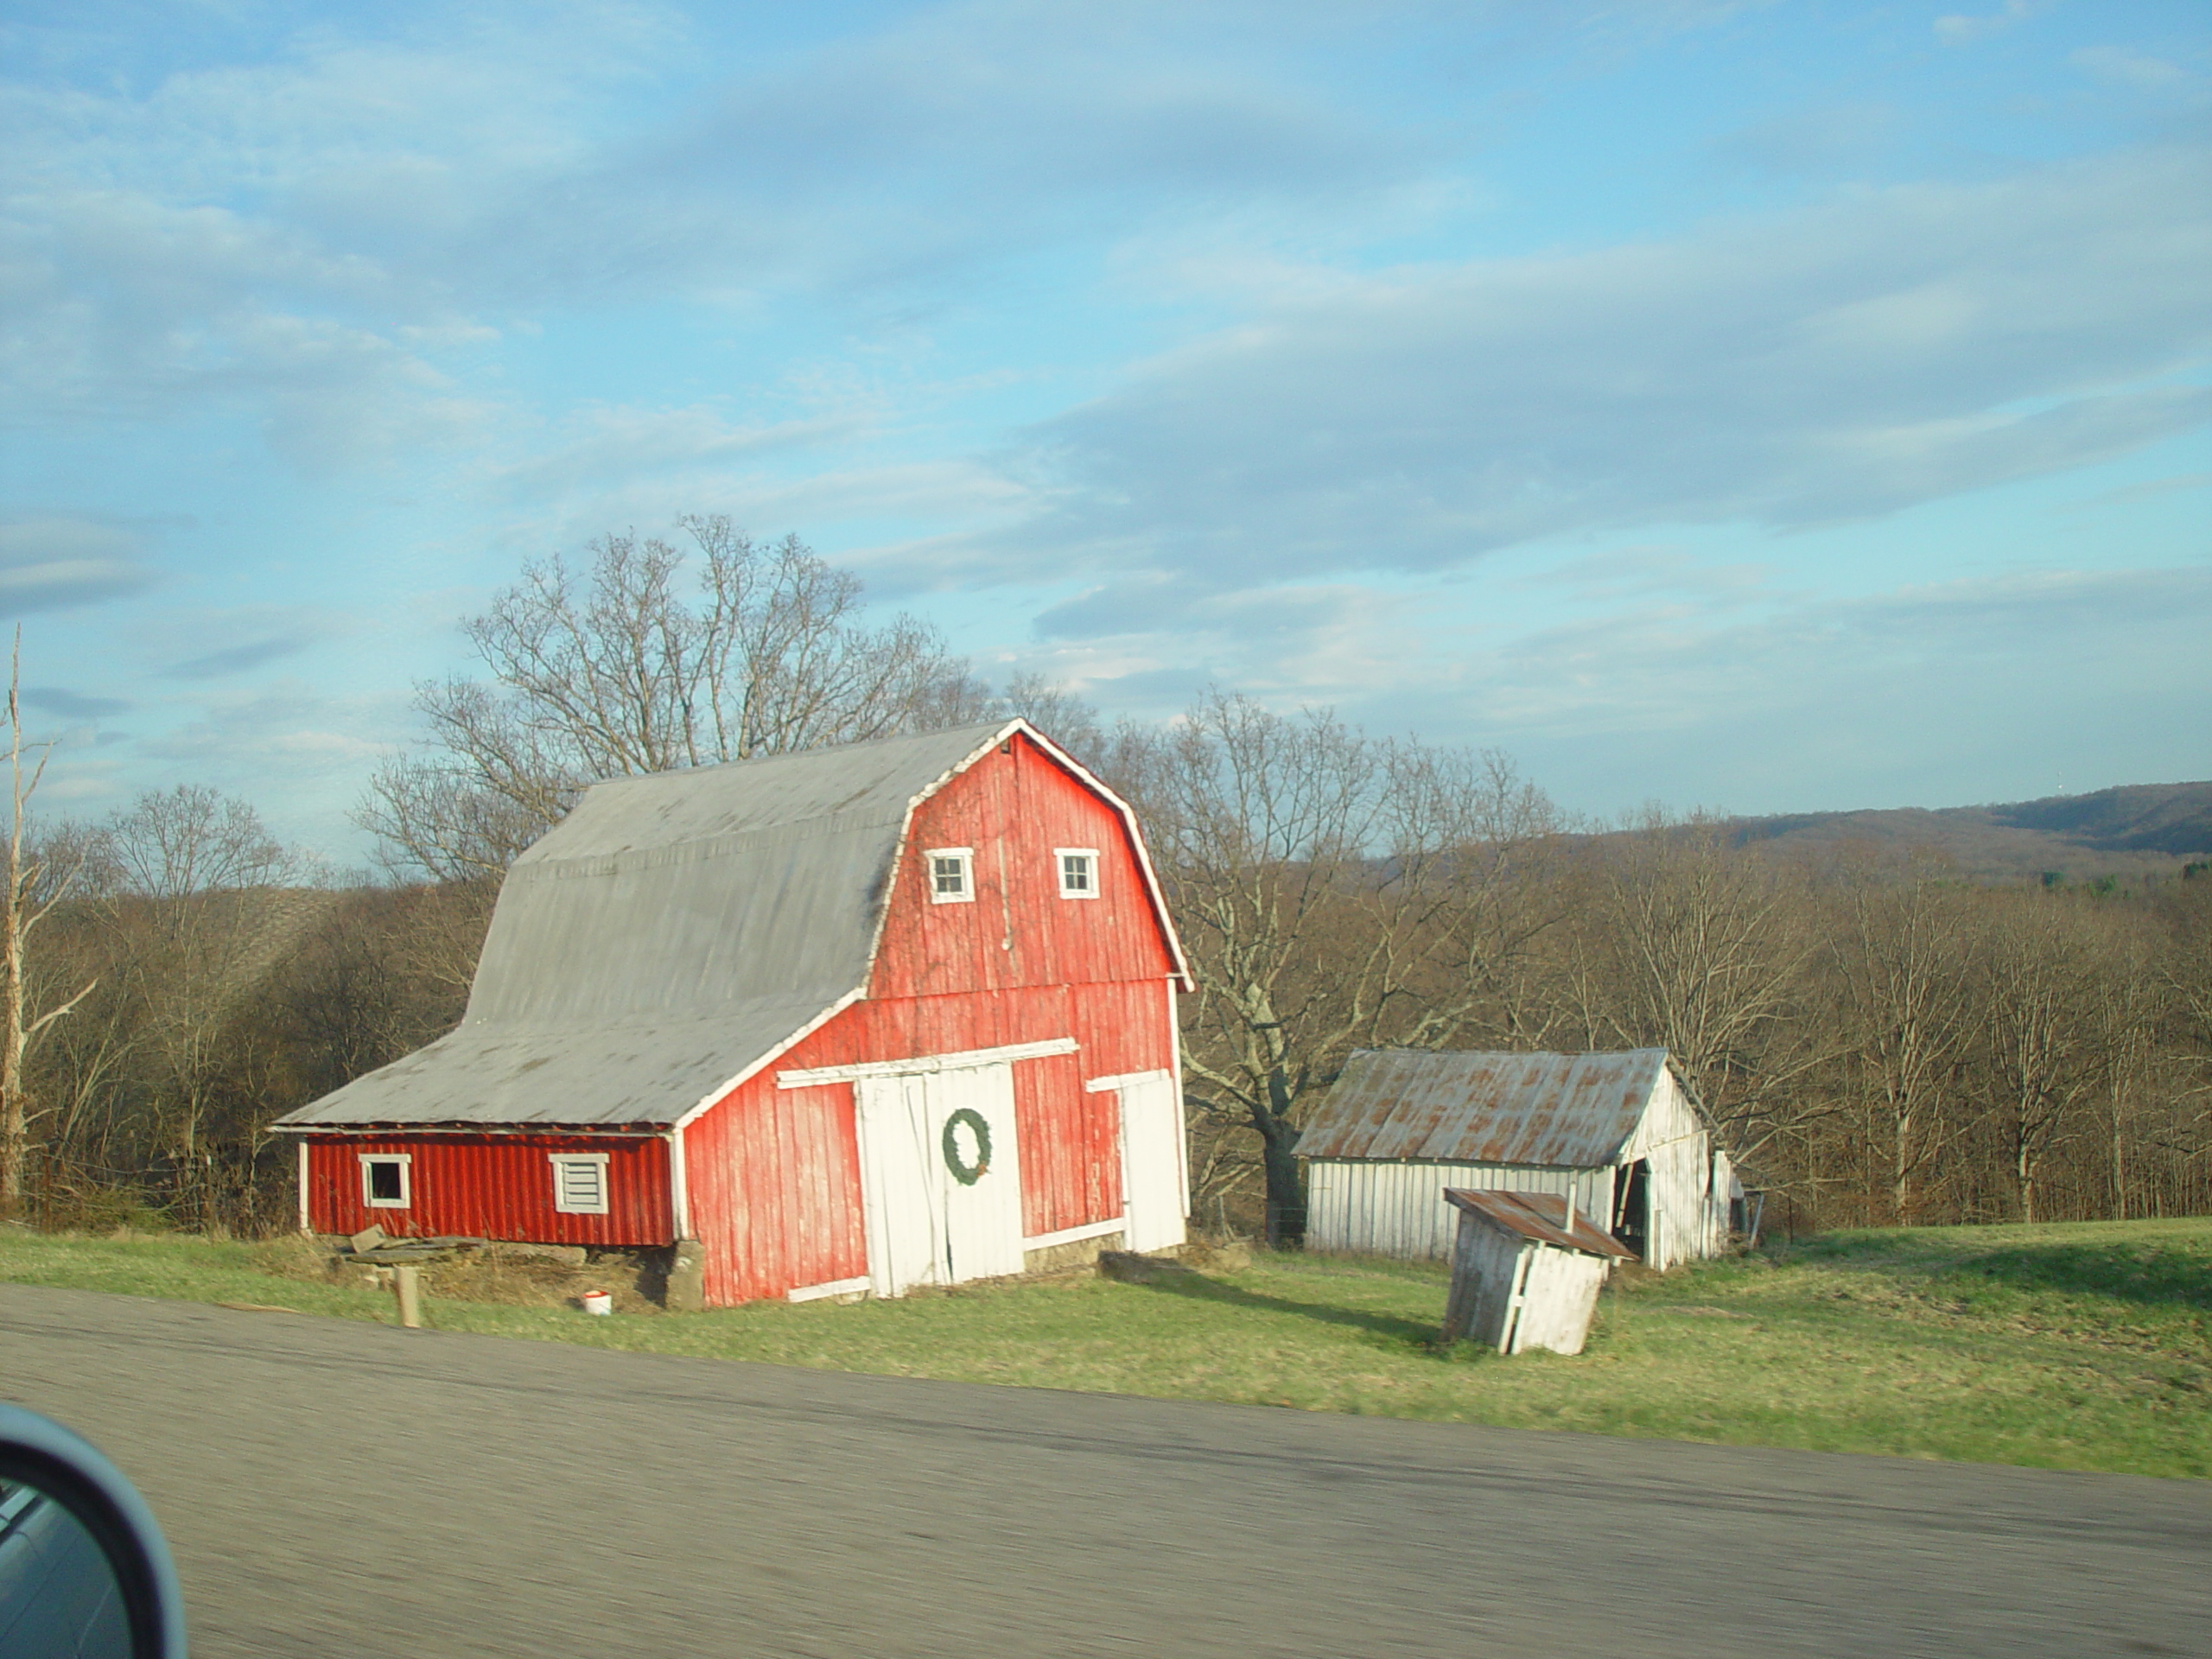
[
  {"x": 561, "y": 1206},
  {"x": 1076, "y": 1235},
  {"x": 679, "y": 1185},
  {"x": 725, "y": 1091},
  {"x": 966, "y": 1060},
  {"x": 834, "y": 1287},
  {"x": 1098, "y": 1085}
]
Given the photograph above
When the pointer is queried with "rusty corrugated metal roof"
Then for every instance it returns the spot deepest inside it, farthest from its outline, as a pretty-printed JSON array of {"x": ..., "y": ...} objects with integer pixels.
[
  {"x": 1539, "y": 1215},
  {"x": 1428, "y": 1106}
]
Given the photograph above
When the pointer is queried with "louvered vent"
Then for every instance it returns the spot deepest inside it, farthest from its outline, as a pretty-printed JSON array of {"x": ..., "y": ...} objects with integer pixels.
[{"x": 580, "y": 1184}]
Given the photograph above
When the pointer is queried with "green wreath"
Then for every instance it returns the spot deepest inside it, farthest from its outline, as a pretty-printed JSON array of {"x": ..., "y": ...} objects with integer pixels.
[{"x": 966, "y": 1174}]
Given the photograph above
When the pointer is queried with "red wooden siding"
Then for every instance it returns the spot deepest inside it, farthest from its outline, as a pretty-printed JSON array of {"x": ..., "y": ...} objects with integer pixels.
[
  {"x": 1071, "y": 1145},
  {"x": 1014, "y": 808},
  {"x": 774, "y": 1181},
  {"x": 737, "y": 1173},
  {"x": 494, "y": 1187},
  {"x": 773, "y": 1175}
]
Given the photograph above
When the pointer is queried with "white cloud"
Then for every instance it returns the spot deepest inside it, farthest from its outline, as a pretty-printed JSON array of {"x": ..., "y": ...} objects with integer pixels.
[
  {"x": 619, "y": 443},
  {"x": 50, "y": 562},
  {"x": 1896, "y": 347},
  {"x": 2121, "y": 66},
  {"x": 1960, "y": 29}
]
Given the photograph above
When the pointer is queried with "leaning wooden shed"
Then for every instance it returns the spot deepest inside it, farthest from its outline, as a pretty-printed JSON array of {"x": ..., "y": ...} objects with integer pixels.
[
  {"x": 851, "y": 1020},
  {"x": 1526, "y": 1270},
  {"x": 1619, "y": 1133}
]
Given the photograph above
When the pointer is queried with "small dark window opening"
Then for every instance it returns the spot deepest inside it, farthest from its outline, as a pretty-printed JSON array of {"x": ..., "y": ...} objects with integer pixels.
[
  {"x": 384, "y": 1178},
  {"x": 1632, "y": 1207}
]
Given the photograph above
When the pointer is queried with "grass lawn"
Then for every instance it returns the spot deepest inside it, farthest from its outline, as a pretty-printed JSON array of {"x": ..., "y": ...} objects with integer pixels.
[{"x": 2080, "y": 1346}]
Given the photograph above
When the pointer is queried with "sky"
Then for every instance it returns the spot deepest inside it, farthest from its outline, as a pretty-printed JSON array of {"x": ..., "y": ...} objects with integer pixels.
[{"x": 1754, "y": 407}]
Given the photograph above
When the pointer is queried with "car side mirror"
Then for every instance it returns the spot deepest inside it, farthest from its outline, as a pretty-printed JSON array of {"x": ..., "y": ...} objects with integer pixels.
[{"x": 84, "y": 1569}]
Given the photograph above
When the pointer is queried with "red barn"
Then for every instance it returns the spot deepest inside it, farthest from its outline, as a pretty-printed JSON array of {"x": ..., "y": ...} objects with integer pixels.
[{"x": 901, "y": 1012}]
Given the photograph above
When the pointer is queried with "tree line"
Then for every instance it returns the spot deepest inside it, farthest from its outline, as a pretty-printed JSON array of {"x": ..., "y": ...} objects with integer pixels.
[{"x": 1878, "y": 1040}]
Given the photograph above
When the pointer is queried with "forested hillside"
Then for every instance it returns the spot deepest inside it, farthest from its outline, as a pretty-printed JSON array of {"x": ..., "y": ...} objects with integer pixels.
[{"x": 2138, "y": 829}]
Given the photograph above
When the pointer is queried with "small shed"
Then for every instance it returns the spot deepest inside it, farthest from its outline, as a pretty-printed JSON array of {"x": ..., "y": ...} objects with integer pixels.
[
  {"x": 1526, "y": 1270},
  {"x": 1618, "y": 1133},
  {"x": 846, "y": 1022}
]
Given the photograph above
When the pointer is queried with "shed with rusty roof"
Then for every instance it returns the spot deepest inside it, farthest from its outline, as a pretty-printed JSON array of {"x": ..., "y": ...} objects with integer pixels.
[
  {"x": 850, "y": 1020},
  {"x": 1618, "y": 1133}
]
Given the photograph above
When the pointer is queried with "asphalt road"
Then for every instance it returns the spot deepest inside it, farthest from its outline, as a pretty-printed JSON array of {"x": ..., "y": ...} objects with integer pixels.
[{"x": 337, "y": 1488}]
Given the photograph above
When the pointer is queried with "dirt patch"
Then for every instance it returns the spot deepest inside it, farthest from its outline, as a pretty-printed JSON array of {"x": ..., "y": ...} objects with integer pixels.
[{"x": 514, "y": 1276}]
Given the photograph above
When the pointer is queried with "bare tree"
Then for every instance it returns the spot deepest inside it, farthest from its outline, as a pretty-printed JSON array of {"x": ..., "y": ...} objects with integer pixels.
[
  {"x": 1902, "y": 950},
  {"x": 39, "y": 876},
  {"x": 2036, "y": 988},
  {"x": 651, "y": 659},
  {"x": 1332, "y": 889},
  {"x": 201, "y": 913},
  {"x": 1062, "y": 715},
  {"x": 1694, "y": 945}
]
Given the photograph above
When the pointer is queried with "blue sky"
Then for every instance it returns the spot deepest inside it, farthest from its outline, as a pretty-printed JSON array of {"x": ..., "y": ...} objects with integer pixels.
[{"x": 1765, "y": 407}]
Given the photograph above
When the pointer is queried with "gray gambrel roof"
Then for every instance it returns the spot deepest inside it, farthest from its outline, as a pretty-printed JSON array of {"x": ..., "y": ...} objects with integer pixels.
[{"x": 670, "y": 934}]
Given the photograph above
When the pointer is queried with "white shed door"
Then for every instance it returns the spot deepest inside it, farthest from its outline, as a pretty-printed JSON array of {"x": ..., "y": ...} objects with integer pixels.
[
  {"x": 940, "y": 1177},
  {"x": 1154, "y": 1189}
]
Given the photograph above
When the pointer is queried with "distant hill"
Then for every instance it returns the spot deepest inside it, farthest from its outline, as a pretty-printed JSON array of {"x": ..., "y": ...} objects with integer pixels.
[{"x": 2136, "y": 830}]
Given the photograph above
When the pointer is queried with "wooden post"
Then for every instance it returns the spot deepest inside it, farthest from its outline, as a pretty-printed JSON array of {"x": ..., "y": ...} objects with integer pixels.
[{"x": 406, "y": 1285}]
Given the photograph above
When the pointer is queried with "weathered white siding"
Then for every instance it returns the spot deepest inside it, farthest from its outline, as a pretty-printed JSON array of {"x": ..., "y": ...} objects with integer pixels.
[
  {"x": 1398, "y": 1209},
  {"x": 1514, "y": 1293},
  {"x": 1672, "y": 1140},
  {"x": 1485, "y": 1275},
  {"x": 1719, "y": 1197},
  {"x": 1558, "y": 1294}
]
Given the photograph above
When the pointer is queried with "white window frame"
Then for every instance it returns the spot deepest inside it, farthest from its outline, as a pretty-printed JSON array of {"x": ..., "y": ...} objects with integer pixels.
[
  {"x": 967, "y": 857},
  {"x": 1090, "y": 855},
  {"x": 406, "y": 1162},
  {"x": 561, "y": 1204}
]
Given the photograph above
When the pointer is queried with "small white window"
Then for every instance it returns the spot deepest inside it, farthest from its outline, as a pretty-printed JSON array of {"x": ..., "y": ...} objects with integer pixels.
[
  {"x": 579, "y": 1183},
  {"x": 387, "y": 1179},
  {"x": 1078, "y": 871},
  {"x": 951, "y": 872}
]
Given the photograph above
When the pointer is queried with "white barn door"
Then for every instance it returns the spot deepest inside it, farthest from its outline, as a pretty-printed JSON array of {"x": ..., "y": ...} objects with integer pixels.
[
  {"x": 1155, "y": 1188},
  {"x": 896, "y": 1197},
  {"x": 978, "y": 1171},
  {"x": 940, "y": 1177}
]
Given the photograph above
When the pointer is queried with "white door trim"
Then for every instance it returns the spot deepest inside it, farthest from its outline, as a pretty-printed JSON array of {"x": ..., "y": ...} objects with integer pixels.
[
  {"x": 967, "y": 1060},
  {"x": 834, "y": 1287},
  {"x": 1095, "y": 1085},
  {"x": 1076, "y": 1235}
]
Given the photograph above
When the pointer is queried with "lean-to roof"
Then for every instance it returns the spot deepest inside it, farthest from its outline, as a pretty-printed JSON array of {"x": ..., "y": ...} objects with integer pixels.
[
  {"x": 1425, "y": 1106},
  {"x": 669, "y": 935},
  {"x": 1539, "y": 1216}
]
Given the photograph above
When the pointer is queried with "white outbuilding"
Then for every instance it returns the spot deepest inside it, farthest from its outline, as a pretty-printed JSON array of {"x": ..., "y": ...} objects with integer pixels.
[
  {"x": 1526, "y": 1271},
  {"x": 1619, "y": 1134}
]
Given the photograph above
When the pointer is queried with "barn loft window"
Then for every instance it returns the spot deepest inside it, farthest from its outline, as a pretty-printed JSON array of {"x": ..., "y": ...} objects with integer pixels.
[
  {"x": 1079, "y": 872},
  {"x": 386, "y": 1180},
  {"x": 952, "y": 874},
  {"x": 579, "y": 1183}
]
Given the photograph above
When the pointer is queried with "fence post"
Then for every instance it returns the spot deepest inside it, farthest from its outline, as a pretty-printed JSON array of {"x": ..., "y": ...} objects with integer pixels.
[{"x": 407, "y": 1288}]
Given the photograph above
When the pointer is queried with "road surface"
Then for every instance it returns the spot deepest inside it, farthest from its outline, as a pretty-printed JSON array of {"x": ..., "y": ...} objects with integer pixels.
[{"x": 338, "y": 1489}]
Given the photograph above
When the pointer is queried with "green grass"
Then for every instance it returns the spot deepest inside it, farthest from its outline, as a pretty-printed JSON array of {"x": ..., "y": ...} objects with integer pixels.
[{"x": 2084, "y": 1346}]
